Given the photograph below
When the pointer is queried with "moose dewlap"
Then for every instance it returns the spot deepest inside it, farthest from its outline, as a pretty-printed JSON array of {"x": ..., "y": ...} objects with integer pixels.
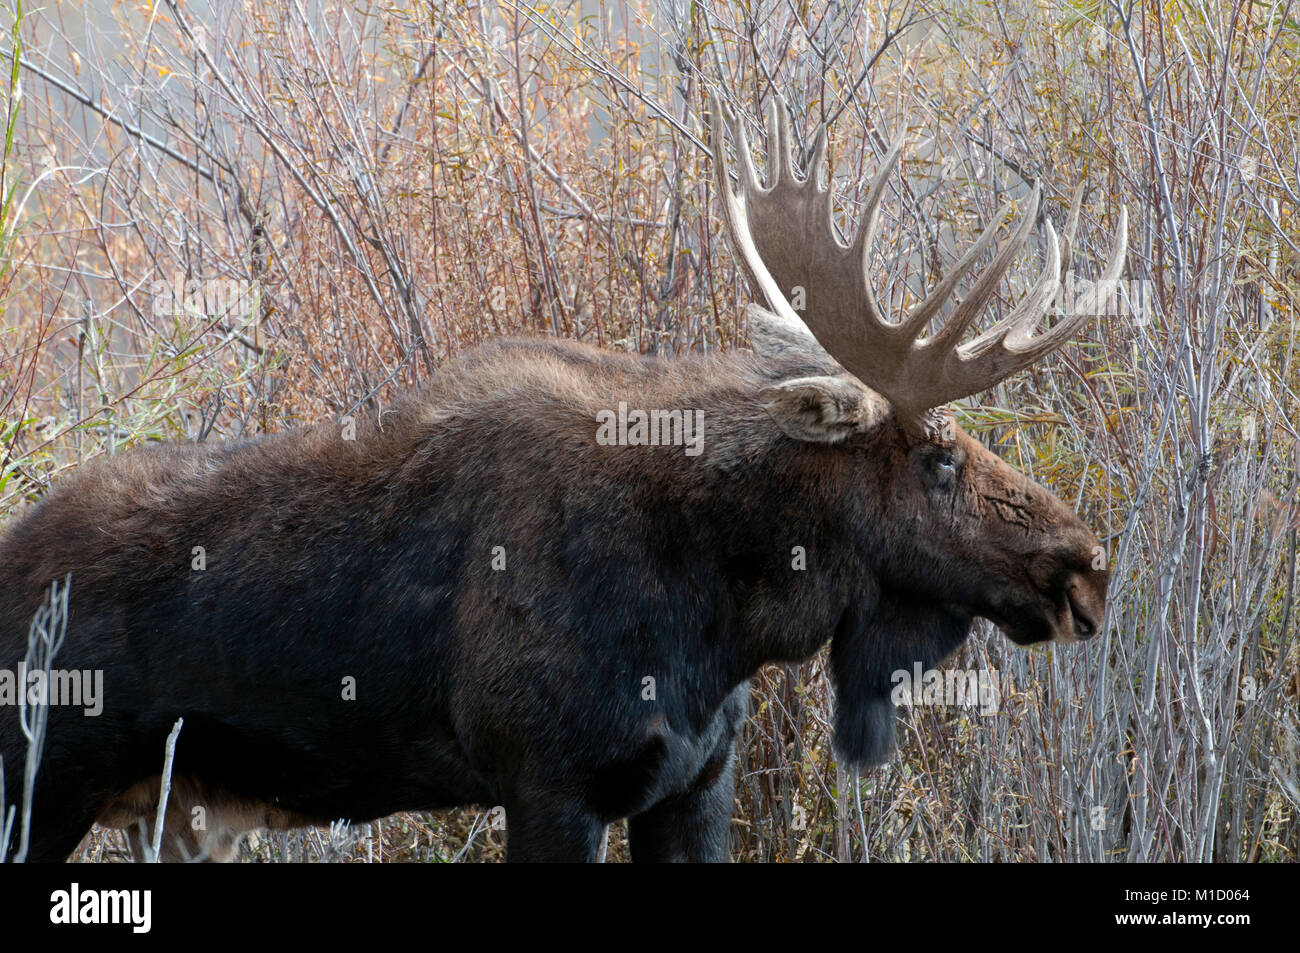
[{"x": 473, "y": 599}]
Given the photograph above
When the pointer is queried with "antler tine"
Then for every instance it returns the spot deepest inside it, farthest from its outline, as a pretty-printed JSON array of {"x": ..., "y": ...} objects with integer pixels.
[
  {"x": 818, "y": 157},
  {"x": 737, "y": 219},
  {"x": 828, "y": 193},
  {"x": 749, "y": 175},
  {"x": 779, "y": 162},
  {"x": 1071, "y": 225},
  {"x": 780, "y": 152},
  {"x": 1009, "y": 346},
  {"x": 867, "y": 228},
  {"x": 1009, "y": 329},
  {"x": 867, "y": 232},
  {"x": 1113, "y": 267},
  {"x": 724, "y": 116},
  {"x": 1118, "y": 249},
  {"x": 978, "y": 296},
  {"x": 1026, "y": 315},
  {"x": 921, "y": 315}
]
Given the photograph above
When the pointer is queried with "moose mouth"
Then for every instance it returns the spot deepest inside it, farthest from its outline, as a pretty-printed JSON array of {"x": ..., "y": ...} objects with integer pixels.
[
  {"x": 1025, "y": 635},
  {"x": 1073, "y": 617}
]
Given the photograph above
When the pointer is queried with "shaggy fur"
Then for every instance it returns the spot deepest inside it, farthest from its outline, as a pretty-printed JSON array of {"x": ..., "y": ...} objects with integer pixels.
[{"x": 372, "y": 560}]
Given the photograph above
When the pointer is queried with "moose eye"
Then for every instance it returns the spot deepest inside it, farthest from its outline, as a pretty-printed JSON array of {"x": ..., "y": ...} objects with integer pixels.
[{"x": 942, "y": 469}]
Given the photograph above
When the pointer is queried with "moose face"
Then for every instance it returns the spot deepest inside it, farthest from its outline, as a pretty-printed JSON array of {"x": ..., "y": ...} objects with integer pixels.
[
  {"x": 968, "y": 535},
  {"x": 949, "y": 532},
  {"x": 954, "y": 527},
  {"x": 986, "y": 540}
]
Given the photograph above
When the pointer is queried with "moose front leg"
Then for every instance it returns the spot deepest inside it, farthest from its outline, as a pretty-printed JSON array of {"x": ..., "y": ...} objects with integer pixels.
[
  {"x": 691, "y": 826},
  {"x": 551, "y": 833}
]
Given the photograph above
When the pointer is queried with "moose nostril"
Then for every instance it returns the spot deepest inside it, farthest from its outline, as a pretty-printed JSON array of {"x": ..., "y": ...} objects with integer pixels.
[{"x": 1086, "y": 619}]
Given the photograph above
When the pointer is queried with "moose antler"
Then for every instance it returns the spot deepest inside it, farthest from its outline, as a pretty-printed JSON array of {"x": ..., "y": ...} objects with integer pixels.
[{"x": 785, "y": 237}]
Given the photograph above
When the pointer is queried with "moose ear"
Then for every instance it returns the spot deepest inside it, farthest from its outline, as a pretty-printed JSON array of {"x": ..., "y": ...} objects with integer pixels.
[{"x": 821, "y": 409}]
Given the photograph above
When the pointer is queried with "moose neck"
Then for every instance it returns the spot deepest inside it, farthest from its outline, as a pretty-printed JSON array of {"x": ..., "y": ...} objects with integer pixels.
[
  {"x": 799, "y": 547},
  {"x": 816, "y": 533}
]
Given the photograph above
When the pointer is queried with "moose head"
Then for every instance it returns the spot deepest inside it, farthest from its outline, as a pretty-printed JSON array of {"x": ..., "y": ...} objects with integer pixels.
[{"x": 964, "y": 535}]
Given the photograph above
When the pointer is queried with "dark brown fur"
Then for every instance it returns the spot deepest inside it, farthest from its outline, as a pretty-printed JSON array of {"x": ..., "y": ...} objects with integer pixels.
[{"x": 372, "y": 559}]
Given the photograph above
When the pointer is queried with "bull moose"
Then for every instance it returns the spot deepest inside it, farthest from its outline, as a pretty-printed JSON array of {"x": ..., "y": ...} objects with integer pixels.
[{"x": 480, "y": 600}]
